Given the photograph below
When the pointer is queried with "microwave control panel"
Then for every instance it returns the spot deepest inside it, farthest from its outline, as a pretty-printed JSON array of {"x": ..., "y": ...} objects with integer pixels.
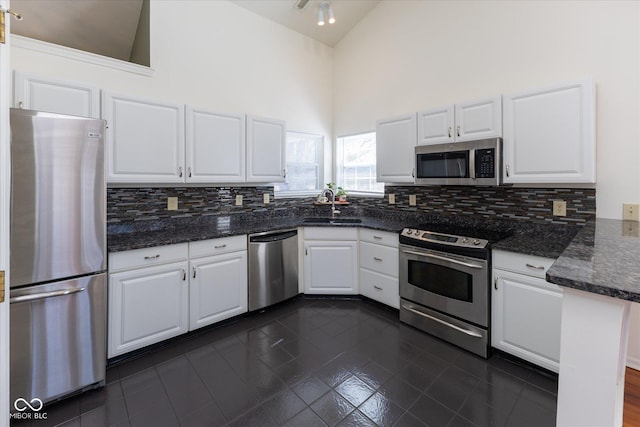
[{"x": 485, "y": 163}]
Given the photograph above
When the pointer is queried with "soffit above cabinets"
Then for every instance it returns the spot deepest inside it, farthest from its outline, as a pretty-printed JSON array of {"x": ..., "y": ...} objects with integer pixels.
[
  {"x": 347, "y": 12},
  {"x": 104, "y": 27}
]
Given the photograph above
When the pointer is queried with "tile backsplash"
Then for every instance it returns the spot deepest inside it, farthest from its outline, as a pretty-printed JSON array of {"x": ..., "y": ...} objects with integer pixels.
[{"x": 530, "y": 204}]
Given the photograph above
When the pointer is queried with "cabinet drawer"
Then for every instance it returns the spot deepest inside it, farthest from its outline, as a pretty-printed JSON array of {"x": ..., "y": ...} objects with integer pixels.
[
  {"x": 330, "y": 233},
  {"x": 144, "y": 257},
  {"x": 379, "y": 237},
  {"x": 379, "y": 287},
  {"x": 382, "y": 259},
  {"x": 218, "y": 246},
  {"x": 530, "y": 265}
]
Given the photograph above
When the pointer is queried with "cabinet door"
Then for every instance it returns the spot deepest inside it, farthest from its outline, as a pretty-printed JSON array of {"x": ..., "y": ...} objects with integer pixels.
[
  {"x": 395, "y": 149},
  {"x": 215, "y": 146},
  {"x": 56, "y": 96},
  {"x": 145, "y": 140},
  {"x": 218, "y": 288},
  {"x": 436, "y": 126},
  {"x": 331, "y": 267},
  {"x": 526, "y": 318},
  {"x": 266, "y": 142},
  {"x": 549, "y": 135},
  {"x": 479, "y": 119},
  {"x": 146, "y": 306}
]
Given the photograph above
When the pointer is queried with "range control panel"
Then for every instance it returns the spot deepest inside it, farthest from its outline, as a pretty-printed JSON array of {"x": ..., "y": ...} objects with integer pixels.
[{"x": 447, "y": 239}]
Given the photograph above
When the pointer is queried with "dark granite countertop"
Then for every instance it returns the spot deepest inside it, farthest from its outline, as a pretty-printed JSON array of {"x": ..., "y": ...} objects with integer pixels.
[
  {"x": 546, "y": 240},
  {"x": 603, "y": 258}
]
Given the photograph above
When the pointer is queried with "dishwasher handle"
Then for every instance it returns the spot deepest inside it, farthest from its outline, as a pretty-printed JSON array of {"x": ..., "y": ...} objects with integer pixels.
[{"x": 271, "y": 237}]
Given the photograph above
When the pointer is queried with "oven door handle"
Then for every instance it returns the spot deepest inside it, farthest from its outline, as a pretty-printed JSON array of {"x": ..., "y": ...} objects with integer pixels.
[
  {"x": 435, "y": 319},
  {"x": 442, "y": 258}
]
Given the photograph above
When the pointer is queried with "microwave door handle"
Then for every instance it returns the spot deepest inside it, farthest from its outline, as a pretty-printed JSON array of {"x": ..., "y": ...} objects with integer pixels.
[{"x": 472, "y": 164}]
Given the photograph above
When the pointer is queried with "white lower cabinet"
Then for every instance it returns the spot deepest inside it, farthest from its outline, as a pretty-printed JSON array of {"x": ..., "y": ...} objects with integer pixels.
[
  {"x": 379, "y": 266},
  {"x": 218, "y": 288},
  {"x": 147, "y": 305},
  {"x": 526, "y": 309},
  {"x": 159, "y": 293},
  {"x": 331, "y": 260}
]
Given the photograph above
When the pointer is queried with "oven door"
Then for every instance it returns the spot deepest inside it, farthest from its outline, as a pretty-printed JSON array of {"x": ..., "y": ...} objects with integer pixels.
[{"x": 452, "y": 284}]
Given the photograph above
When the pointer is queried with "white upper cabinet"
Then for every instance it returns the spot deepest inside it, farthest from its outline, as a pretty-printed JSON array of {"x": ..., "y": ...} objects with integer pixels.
[
  {"x": 145, "y": 140},
  {"x": 266, "y": 139},
  {"x": 56, "y": 96},
  {"x": 436, "y": 126},
  {"x": 549, "y": 134},
  {"x": 479, "y": 119},
  {"x": 215, "y": 146},
  {"x": 395, "y": 149},
  {"x": 467, "y": 121}
]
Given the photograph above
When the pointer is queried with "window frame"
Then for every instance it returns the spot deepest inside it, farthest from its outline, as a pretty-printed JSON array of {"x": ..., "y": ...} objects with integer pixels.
[
  {"x": 371, "y": 194},
  {"x": 291, "y": 194}
]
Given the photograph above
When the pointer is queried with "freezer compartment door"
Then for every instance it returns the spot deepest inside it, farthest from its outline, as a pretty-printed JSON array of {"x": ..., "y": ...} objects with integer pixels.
[
  {"x": 58, "y": 197},
  {"x": 58, "y": 338}
]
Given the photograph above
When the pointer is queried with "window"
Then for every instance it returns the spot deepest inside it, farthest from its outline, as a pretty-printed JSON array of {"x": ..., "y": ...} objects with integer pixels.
[
  {"x": 356, "y": 164},
  {"x": 303, "y": 163}
]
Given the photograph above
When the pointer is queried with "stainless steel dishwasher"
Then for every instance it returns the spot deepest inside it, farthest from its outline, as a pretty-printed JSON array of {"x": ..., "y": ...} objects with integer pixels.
[{"x": 273, "y": 267}]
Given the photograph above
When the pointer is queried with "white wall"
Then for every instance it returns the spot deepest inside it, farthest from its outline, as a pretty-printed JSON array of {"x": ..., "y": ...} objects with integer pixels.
[
  {"x": 217, "y": 55},
  {"x": 407, "y": 56}
]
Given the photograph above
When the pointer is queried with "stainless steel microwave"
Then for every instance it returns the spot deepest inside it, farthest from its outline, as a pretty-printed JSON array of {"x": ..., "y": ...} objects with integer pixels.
[{"x": 460, "y": 163}]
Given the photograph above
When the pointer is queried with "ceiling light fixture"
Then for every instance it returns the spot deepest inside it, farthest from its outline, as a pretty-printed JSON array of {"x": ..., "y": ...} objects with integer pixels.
[{"x": 325, "y": 11}]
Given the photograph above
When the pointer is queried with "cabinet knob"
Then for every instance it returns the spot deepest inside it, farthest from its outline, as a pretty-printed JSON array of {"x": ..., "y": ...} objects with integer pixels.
[
  {"x": 449, "y": 131},
  {"x": 184, "y": 274},
  {"x": 413, "y": 173},
  {"x": 194, "y": 272},
  {"x": 284, "y": 173},
  {"x": 458, "y": 130},
  {"x": 180, "y": 171},
  {"x": 507, "y": 169},
  {"x": 495, "y": 284},
  {"x": 189, "y": 171}
]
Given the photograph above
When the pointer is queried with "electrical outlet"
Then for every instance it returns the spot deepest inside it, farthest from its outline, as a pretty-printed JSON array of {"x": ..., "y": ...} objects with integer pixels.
[
  {"x": 266, "y": 199},
  {"x": 631, "y": 212},
  {"x": 172, "y": 203},
  {"x": 392, "y": 199},
  {"x": 412, "y": 200},
  {"x": 559, "y": 208},
  {"x": 239, "y": 200},
  {"x": 630, "y": 229}
]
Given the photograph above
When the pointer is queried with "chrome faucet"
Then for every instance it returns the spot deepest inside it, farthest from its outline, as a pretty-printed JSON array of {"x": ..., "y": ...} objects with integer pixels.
[{"x": 334, "y": 211}]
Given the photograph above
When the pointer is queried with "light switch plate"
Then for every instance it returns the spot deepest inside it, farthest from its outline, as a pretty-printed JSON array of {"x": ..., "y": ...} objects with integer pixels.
[
  {"x": 412, "y": 200},
  {"x": 266, "y": 199},
  {"x": 630, "y": 212},
  {"x": 559, "y": 208},
  {"x": 172, "y": 203},
  {"x": 239, "y": 200},
  {"x": 392, "y": 199}
]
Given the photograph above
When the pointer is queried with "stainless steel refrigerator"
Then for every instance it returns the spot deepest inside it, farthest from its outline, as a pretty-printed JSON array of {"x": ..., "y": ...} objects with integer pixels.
[{"x": 58, "y": 255}]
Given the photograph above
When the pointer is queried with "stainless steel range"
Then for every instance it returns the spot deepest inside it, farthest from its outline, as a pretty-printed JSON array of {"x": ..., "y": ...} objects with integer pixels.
[{"x": 444, "y": 283}]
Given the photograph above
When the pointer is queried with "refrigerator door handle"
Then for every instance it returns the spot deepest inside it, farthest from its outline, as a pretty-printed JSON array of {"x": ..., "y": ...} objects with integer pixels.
[{"x": 43, "y": 295}]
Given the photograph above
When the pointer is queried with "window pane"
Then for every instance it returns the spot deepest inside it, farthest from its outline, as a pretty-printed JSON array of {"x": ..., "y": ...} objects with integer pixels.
[
  {"x": 303, "y": 163},
  {"x": 356, "y": 163}
]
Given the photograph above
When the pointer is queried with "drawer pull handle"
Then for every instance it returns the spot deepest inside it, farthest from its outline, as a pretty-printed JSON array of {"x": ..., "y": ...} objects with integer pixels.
[
  {"x": 377, "y": 237},
  {"x": 220, "y": 246},
  {"x": 377, "y": 288},
  {"x": 184, "y": 274},
  {"x": 537, "y": 267},
  {"x": 377, "y": 259},
  {"x": 194, "y": 272},
  {"x": 153, "y": 256}
]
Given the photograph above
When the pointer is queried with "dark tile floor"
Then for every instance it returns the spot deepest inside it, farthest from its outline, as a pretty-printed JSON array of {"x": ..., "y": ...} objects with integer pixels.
[{"x": 314, "y": 362}]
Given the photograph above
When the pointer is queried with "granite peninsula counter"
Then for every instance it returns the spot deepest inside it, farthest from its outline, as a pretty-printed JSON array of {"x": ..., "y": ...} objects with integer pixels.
[{"x": 600, "y": 275}]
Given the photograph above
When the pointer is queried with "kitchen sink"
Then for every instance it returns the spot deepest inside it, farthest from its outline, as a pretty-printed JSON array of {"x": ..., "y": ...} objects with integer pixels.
[{"x": 332, "y": 221}]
